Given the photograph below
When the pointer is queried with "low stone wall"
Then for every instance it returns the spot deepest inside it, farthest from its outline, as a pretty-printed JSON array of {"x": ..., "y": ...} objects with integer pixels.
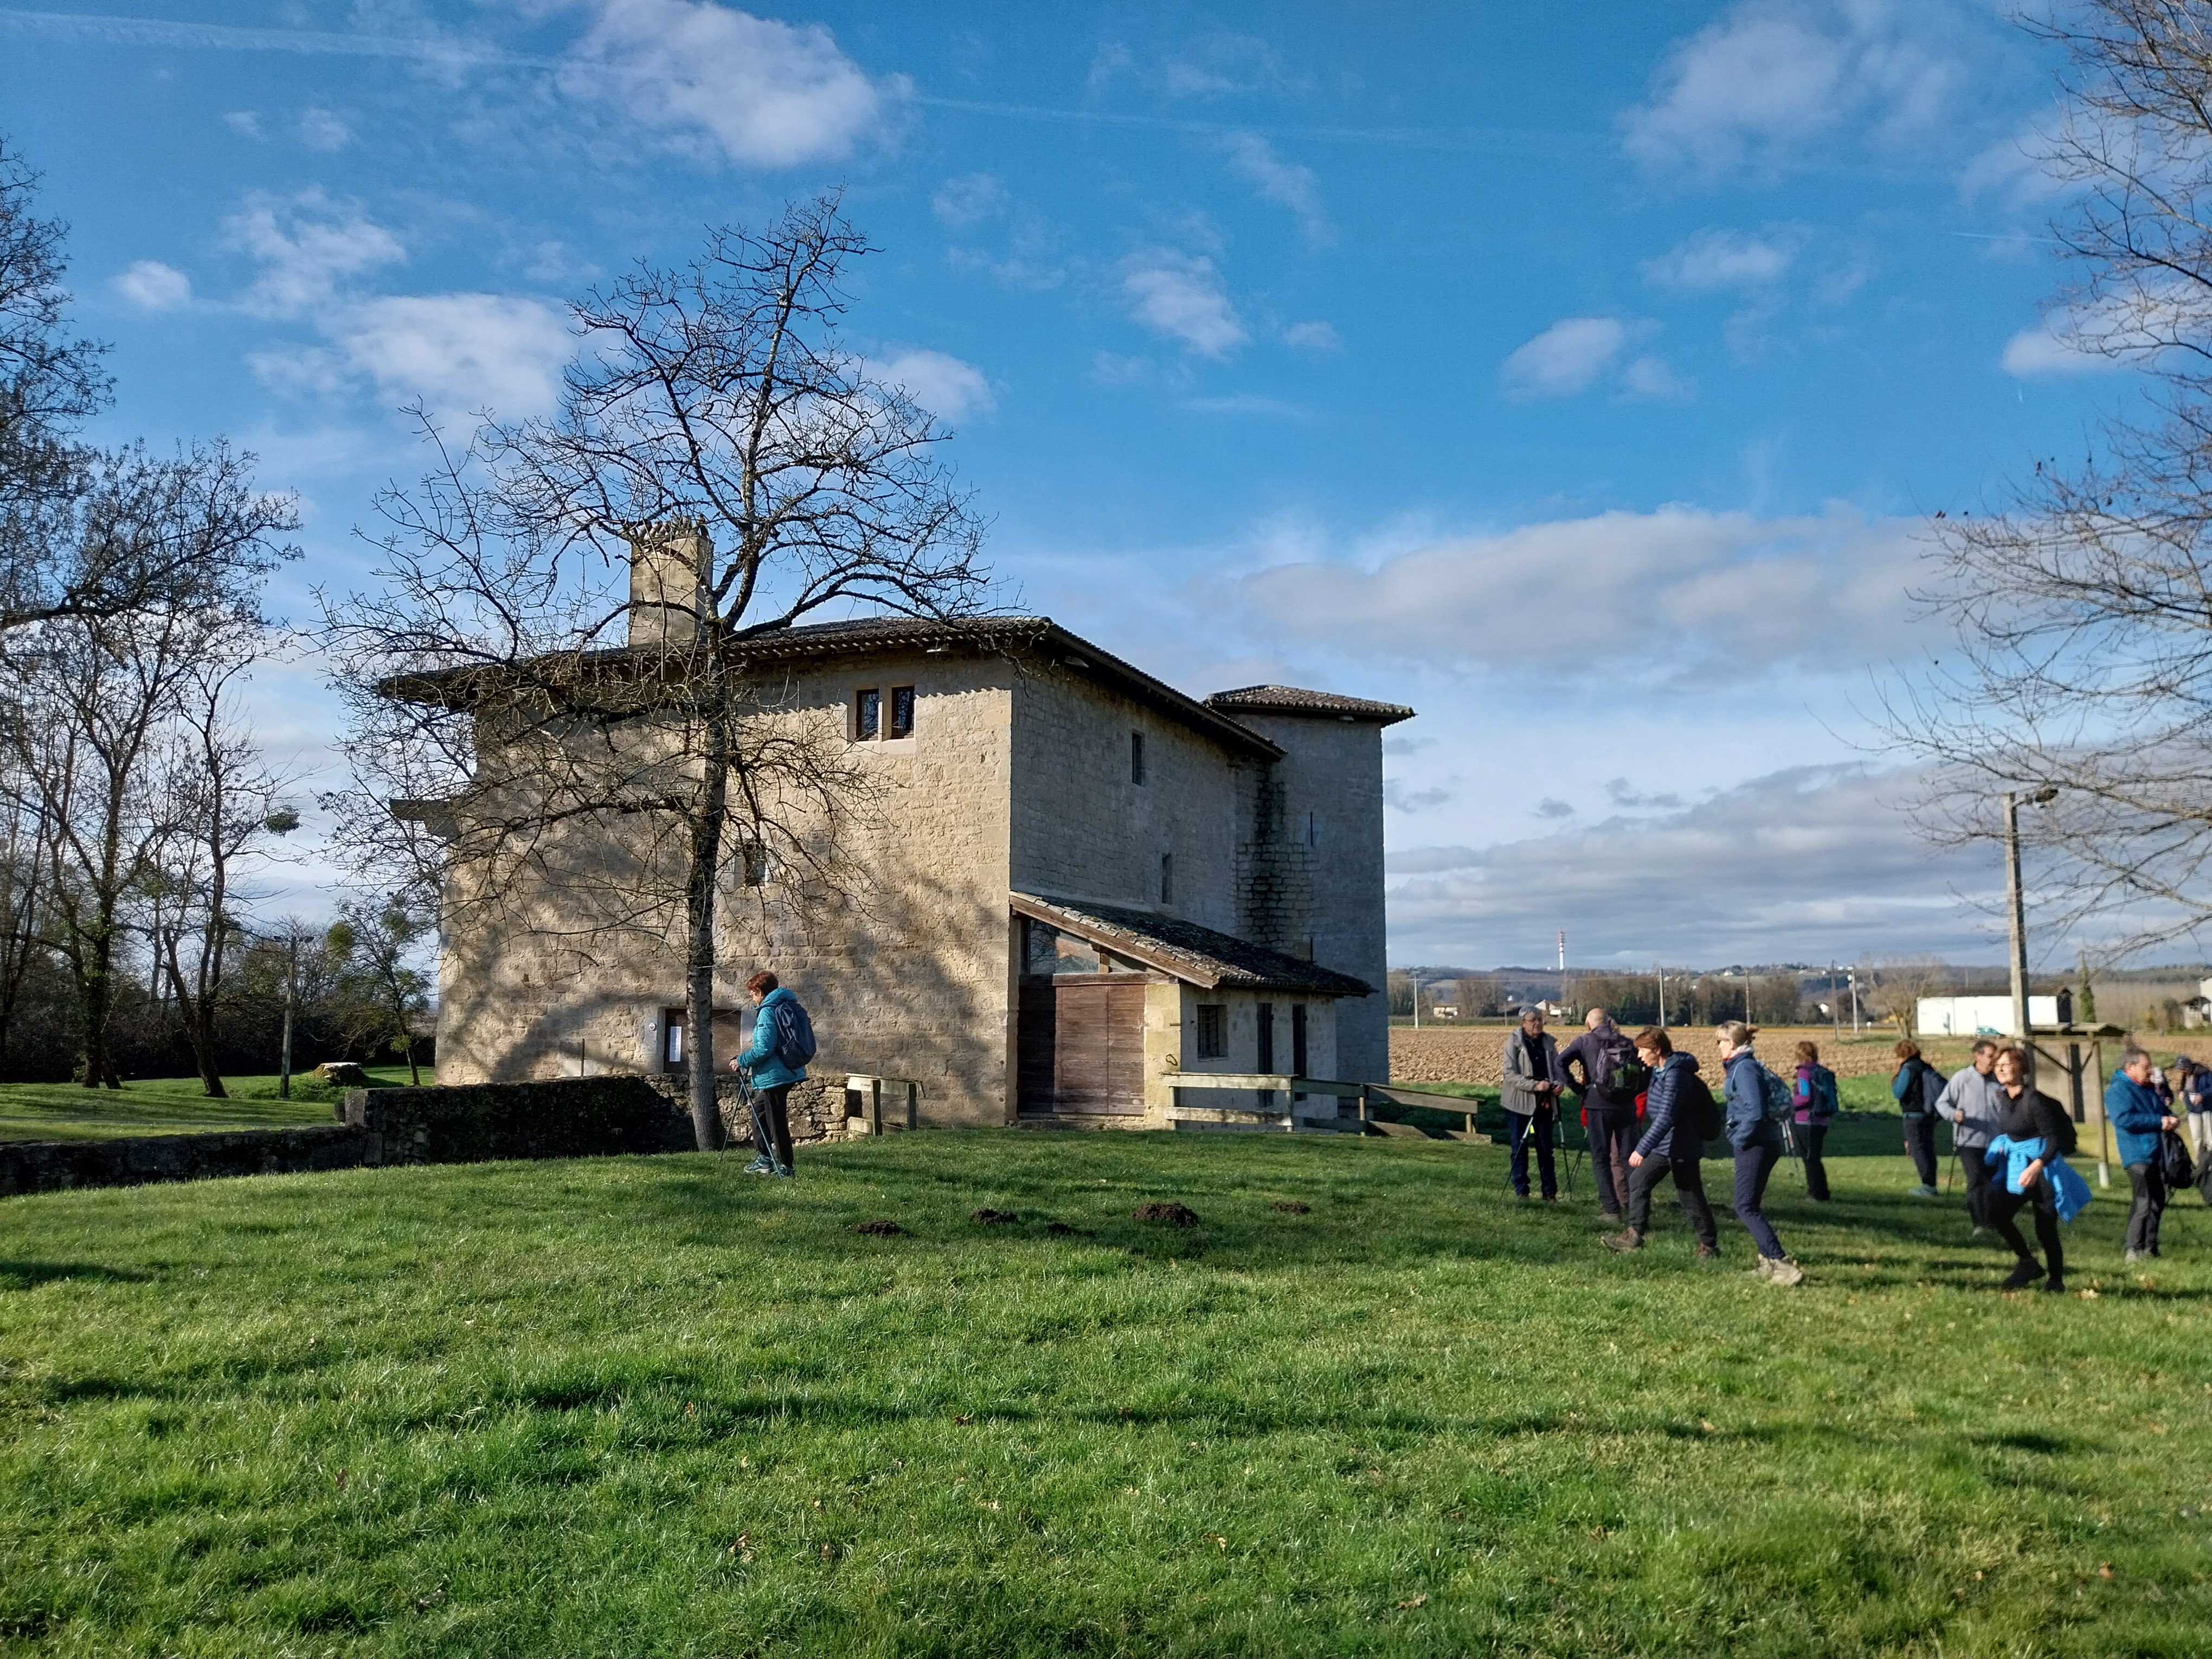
[
  {"x": 566, "y": 1117},
  {"x": 38, "y": 1166}
]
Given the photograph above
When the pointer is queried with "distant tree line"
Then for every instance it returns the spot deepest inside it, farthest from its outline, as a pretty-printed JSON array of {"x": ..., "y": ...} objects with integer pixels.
[{"x": 136, "y": 806}]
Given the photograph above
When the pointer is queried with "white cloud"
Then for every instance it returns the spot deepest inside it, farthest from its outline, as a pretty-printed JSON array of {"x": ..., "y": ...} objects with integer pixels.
[
  {"x": 324, "y": 130},
  {"x": 1812, "y": 860},
  {"x": 718, "y": 81},
  {"x": 1287, "y": 184},
  {"x": 2013, "y": 170},
  {"x": 1752, "y": 89},
  {"x": 2123, "y": 330},
  {"x": 307, "y": 246},
  {"x": 1718, "y": 259},
  {"x": 1566, "y": 358},
  {"x": 1725, "y": 596},
  {"x": 1314, "y": 335},
  {"x": 1181, "y": 296},
  {"x": 151, "y": 286},
  {"x": 459, "y": 353},
  {"x": 1650, "y": 377},
  {"x": 963, "y": 203},
  {"x": 245, "y": 123},
  {"x": 943, "y": 384},
  {"x": 2036, "y": 353}
]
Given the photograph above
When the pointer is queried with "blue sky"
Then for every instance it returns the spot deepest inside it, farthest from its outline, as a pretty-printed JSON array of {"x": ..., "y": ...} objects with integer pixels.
[{"x": 1578, "y": 375}]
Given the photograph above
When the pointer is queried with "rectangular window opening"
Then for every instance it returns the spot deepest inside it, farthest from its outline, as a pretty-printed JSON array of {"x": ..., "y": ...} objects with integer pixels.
[
  {"x": 1136, "y": 758},
  {"x": 1212, "y": 1030},
  {"x": 1313, "y": 828},
  {"x": 901, "y": 711},
  {"x": 1298, "y": 1039},
  {"x": 1266, "y": 1037},
  {"x": 868, "y": 715},
  {"x": 1167, "y": 877},
  {"x": 753, "y": 860},
  {"x": 672, "y": 1048}
]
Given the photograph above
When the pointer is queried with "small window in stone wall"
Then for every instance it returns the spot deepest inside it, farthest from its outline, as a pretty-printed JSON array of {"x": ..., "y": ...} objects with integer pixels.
[
  {"x": 753, "y": 862},
  {"x": 901, "y": 711},
  {"x": 1213, "y": 1031},
  {"x": 868, "y": 715},
  {"x": 1136, "y": 758},
  {"x": 1167, "y": 877}
]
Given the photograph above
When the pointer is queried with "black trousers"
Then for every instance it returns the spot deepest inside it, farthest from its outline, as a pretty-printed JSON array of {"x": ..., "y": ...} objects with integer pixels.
[
  {"x": 1980, "y": 1176},
  {"x": 1920, "y": 1141},
  {"x": 772, "y": 1123},
  {"x": 2003, "y": 1205},
  {"x": 2149, "y": 1183},
  {"x": 1612, "y": 1138},
  {"x": 1814, "y": 1136},
  {"x": 1689, "y": 1188},
  {"x": 1536, "y": 1127}
]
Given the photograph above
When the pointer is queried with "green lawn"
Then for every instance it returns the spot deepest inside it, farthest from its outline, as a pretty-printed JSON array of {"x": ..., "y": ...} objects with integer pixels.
[
  {"x": 166, "y": 1106},
  {"x": 656, "y": 1406}
]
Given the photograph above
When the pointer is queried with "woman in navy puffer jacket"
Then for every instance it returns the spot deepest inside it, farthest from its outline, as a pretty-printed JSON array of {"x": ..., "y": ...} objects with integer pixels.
[{"x": 1758, "y": 1144}]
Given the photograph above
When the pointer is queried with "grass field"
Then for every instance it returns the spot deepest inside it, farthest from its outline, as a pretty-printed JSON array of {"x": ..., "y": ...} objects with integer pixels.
[
  {"x": 654, "y": 1405},
  {"x": 166, "y": 1106}
]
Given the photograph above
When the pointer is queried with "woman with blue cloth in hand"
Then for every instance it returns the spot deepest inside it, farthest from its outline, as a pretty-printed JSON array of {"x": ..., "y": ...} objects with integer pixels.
[
  {"x": 2026, "y": 1115},
  {"x": 2138, "y": 1113}
]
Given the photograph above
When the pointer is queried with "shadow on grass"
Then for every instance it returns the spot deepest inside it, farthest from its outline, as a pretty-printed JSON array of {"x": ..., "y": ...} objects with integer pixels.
[{"x": 26, "y": 1275}]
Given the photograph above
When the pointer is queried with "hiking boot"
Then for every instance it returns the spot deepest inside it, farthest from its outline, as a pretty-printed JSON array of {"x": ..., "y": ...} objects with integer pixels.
[
  {"x": 1924, "y": 1191},
  {"x": 1627, "y": 1239},
  {"x": 2023, "y": 1274},
  {"x": 2055, "y": 1285},
  {"x": 1784, "y": 1271},
  {"x": 1612, "y": 1217},
  {"x": 1550, "y": 1198},
  {"x": 1706, "y": 1253},
  {"x": 1763, "y": 1267},
  {"x": 760, "y": 1165},
  {"x": 782, "y": 1171},
  {"x": 2135, "y": 1255}
]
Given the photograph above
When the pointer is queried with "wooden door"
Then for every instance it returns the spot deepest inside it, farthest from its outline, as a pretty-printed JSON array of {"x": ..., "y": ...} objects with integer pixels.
[{"x": 1082, "y": 1039}]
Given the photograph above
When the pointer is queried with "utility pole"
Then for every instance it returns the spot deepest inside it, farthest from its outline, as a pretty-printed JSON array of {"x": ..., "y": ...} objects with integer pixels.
[
  {"x": 291, "y": 996},
  {"x": 2017, "y": 910},
  {"x": 1835, "y": 1003},
  {"x": 1662, "y": 971},
  {"x": 1853, "y": 971}
]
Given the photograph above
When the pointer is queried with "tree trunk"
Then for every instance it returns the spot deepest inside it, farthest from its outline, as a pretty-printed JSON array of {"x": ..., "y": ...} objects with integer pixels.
[
  {"x": 414, "y": 1072},
  {"x": 198, "y": 1012},
  {"x": 699, "y": 900}
]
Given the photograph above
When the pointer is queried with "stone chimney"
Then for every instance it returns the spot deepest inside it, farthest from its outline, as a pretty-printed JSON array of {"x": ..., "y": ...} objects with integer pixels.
[{"x": 665, "y": 561}]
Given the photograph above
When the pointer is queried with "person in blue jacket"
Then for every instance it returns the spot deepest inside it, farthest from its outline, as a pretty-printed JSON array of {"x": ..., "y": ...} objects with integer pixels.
[
  {"x": 1671, "y": 1145},
  {"x": 2138, "y": 1113},
  {"x": 773, "y": 1072},
  {"x": 1758, "y": 1143}
]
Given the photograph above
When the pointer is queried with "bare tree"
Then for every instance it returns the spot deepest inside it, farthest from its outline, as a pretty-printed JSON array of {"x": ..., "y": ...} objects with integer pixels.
[
  {"x": 375, "y": 947},
  {"x": 48, "y": 381},
  {"x": 218, "y": 802},
  {"x": 2083, "y": 605},
  {"x": 559, "y": 664},
  {"x": 1900, "y": 982}
]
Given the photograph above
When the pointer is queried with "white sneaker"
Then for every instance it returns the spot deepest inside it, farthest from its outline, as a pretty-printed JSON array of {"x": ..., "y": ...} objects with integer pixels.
[
  {"x": 1763, "y": 1267},
  {"x": 1784, "y": 1272}
]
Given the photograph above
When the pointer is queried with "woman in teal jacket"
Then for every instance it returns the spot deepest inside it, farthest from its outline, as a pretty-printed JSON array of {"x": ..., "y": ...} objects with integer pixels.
[{"x": 766, "y": 1064}]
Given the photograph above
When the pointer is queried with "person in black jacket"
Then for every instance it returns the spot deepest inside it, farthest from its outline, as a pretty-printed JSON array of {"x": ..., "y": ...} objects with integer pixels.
[
  {"x": 1604, "y": 1058},
  {"x": 2025, "y": 1114},
  {"x": 1918, "y": 1086},
  {"x": 1677, "y": 1109}
]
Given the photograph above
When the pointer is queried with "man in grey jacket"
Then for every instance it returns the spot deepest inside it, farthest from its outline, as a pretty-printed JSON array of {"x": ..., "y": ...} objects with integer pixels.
[
  {"x": 1533, "y": 1078},
  {"x": 1971, "y": 1101}
]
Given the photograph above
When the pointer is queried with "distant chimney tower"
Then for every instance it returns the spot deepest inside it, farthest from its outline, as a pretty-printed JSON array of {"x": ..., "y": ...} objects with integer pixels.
[
  {"x": 665, "y": 561},
  {"x": 1562, "y": 950}
]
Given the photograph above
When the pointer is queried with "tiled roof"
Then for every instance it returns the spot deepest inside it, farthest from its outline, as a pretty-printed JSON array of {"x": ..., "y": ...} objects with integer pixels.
[
  {"x": 1190, "y": 952},
  {"x": 1034, "y": 638},
  {"x": 1316, "y": 705}
]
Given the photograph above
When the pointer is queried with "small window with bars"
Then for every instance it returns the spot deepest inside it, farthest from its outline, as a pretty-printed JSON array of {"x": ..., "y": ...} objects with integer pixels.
[
  {"x": 868, "y": 715},
  {"x": 1213, "y": 1031},
  {"x": 901, "y": 711}
]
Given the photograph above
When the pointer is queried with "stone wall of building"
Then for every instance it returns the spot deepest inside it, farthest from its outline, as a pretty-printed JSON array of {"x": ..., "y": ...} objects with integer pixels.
[
  {"x": 905, "y": 971},
  {"x": 1317, "y": 875},
  {"x": 1084, "y": 829}
]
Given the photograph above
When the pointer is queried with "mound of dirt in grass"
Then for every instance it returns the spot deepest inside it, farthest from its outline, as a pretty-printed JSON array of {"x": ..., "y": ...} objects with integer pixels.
[
  {"x": 991, "y": 1218},
  {"x": 1291, "y": 1206},
  {"x": 1061, "y": 1228},
  {"x": 1177, "y": 1213},
  {"x": 878, "y": 1229}
]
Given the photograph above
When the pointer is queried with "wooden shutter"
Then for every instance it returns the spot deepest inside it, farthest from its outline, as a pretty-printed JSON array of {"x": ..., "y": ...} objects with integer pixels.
[{"x": 1082, "y": 1039}]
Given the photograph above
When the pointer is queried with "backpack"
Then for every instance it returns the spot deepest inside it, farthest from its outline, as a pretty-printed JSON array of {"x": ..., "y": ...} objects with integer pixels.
[
  {"x": 794, "y": 1035},
  {"x": 1781, "y": 1099},
  {"x": 2174, "y": 1162},
  {"x": 1620, "y": 1076},
  {"x": 1826, "y": 1102},
  {"x": 1697, "y": 1110}
]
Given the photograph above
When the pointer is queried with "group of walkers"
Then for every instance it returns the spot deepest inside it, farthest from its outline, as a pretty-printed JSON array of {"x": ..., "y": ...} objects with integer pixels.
[{"x": 1650, "y": 1115}]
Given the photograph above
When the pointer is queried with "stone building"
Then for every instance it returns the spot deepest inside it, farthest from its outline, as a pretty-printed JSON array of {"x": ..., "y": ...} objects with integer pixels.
[{"x": 1075, "y": 881}]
